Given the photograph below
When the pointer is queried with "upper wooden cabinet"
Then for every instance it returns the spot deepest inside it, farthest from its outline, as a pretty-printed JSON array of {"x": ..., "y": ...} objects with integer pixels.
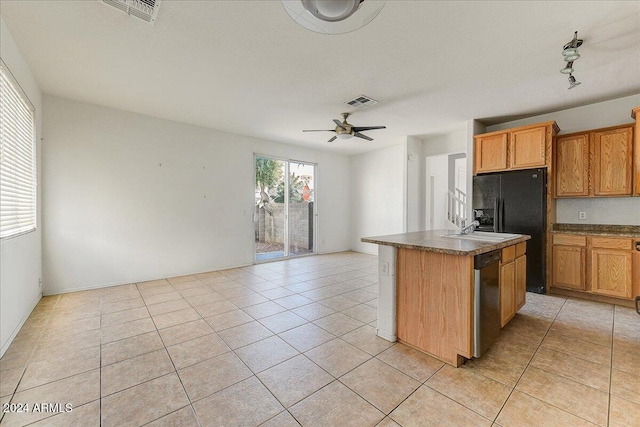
[
  {"x": 518, "y": 148},
  {"x": 527, "y": 148},
  {"x": 491, "y": 153},
  {"x": 596, "y": 163},
  {"x": 572, "y": 165},
  {"x": 612, "y": 161},
  {"x": 636, "y": 150}
]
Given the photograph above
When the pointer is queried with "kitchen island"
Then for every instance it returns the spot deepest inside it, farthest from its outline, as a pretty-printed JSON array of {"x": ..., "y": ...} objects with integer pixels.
[{"x": 426, "y": 288}]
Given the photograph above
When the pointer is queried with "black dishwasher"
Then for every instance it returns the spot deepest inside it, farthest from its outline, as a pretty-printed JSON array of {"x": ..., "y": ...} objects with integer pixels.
[{"x": 486, "y": 313}]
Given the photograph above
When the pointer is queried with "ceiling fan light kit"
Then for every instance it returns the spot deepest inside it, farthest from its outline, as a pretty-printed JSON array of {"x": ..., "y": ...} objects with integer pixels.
[
  {"x": 344, "y": 130},
  {"x": 570, "y": 54},
  {"x": 332, "y": 16}
]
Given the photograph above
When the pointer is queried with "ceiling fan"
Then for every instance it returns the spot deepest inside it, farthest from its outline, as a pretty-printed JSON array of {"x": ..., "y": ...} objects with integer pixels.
[{"x": 345, "y": 130}]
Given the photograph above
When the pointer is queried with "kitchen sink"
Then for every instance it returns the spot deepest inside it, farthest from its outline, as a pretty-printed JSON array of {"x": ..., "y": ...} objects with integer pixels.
[{"x": 482, "y": 236}]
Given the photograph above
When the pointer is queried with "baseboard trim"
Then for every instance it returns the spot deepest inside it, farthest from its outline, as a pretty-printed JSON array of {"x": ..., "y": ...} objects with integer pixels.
[{"x": 6, "y": 345}]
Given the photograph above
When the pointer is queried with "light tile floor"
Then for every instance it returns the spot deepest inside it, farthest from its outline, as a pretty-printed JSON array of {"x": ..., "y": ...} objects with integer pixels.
[{"x": 293, "y": 342}]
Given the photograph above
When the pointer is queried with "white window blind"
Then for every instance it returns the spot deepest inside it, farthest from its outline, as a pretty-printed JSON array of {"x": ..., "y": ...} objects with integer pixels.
[{"x": 17, "y": 159}]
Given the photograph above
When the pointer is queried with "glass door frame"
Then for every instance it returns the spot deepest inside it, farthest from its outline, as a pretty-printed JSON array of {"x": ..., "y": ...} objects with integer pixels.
[{"x": 287, "y": 162}]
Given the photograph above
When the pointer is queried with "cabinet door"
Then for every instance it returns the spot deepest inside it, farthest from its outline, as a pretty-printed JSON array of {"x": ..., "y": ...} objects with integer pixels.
[
  {"x": 572, "y": 166},
  {"x": 490, "y": 153},
  {"x": 569, "y": 267},
  {"x": 612, "y": 161},
  {"x": 528, "y": 148},
  {"x": 611, "y": 272},
  {"x": 507, "y": 292},
  {"x": 521, "y": 282},
  {"x": 636, "y": 152}
]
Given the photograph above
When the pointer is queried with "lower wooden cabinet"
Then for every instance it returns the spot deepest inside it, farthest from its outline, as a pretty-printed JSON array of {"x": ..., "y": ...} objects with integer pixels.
[
  {"x": 513, "y": 281},
  {"x": 595, "y": 265},
  {"x": 569, "y": 267},
  {"x": 611, "y": 272}
]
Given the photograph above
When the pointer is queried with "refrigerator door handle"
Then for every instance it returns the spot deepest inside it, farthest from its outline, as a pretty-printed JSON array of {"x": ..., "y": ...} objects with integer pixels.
[{"x": 496, "y": 214}]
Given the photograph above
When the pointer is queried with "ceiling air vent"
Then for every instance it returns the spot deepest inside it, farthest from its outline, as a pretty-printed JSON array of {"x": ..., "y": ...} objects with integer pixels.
[
  {"x": 361, "y": 101},
  {"x": 147, "y": 10}
]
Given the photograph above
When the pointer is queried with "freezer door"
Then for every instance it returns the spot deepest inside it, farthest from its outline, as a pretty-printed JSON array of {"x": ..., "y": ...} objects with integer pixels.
[
  {"x": 523, "y": 211},
  {"x": 486, "y": 188}
]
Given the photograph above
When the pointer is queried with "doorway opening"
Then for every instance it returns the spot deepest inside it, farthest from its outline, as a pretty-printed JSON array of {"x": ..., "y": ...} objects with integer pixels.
[
  {"x": 285, "y": 218},
  {"x": 446, "y": 191}
]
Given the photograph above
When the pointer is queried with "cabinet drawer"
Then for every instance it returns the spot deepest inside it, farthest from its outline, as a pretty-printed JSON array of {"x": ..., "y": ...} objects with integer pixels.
[
  {"x": 569, "y": 240},
  {"x": 508, "y": 254},
  {"x": 611, "y": 243},
  {"x": 521, "y": 249}
]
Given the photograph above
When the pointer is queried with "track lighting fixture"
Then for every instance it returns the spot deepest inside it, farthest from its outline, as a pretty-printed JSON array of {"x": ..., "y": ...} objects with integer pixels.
[
  {"x": 570, "y": 54},
  {"x": 572, "y": 82}
]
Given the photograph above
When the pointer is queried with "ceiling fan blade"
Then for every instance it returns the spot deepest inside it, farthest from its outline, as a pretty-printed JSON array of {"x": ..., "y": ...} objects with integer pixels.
[
  {"x": 363, "y": 128},
  {"x": 319, "y": 130},
  {"x": 359, "y": 135},
  {"x": 332, "y": 139},
  {"x": 339, "y": 123}
]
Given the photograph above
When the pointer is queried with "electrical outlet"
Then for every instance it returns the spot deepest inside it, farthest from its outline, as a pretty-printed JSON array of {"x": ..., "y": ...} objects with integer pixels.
[
  {"x": 384, "y": 268},
  {"x": 582, "y": 215},
  {"x": 39, "y": 283}
]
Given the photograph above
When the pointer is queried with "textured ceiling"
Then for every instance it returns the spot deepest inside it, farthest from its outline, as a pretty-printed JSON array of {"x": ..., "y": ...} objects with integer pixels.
[{"x": 247, "y": 68}]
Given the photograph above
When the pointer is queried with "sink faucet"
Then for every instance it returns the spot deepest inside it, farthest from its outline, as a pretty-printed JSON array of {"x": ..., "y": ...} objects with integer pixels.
[{"x": 469, "y": 228}]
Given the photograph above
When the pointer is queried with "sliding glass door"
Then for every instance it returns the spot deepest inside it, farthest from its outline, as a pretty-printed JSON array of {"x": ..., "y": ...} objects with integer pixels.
[{"x": 285, "y": 210}]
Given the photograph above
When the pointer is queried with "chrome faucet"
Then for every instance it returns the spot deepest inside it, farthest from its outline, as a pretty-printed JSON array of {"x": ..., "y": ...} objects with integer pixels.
[{"x": 469, "y": 228}]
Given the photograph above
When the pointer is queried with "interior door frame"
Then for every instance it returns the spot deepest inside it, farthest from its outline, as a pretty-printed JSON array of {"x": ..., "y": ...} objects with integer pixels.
[{"x": 287, "y": 162}]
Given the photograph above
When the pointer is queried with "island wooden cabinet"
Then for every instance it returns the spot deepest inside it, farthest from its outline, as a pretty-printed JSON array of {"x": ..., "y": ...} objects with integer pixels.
[
  {"x": 513, "y": 281},
  {"x": 524, "y": 147},
  {"x": 596, "y": 163},
  {"x": 596, "y": 265}
]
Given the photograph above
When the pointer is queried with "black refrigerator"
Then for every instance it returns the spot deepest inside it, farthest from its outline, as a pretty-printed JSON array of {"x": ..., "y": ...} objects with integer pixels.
[{"x": 515, "y": 202}]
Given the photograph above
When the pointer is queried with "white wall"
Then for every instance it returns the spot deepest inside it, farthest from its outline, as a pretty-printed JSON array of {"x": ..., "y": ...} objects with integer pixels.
[
  {"x": 377, "y": 195},
  {"x": 20, "y": 257},
  {"x": 129, "y": 197},
  {"x": 603, "y": 114}
]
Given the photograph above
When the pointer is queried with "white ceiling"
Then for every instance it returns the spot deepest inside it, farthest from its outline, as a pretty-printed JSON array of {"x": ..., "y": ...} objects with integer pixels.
[{"x": 245, "y": 67}]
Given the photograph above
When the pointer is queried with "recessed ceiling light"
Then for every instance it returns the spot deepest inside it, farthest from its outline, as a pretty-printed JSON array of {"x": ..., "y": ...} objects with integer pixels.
[{"x": 332, "y": 16}]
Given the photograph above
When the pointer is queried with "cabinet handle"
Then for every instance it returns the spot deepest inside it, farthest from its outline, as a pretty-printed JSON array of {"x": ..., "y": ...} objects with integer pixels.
[{"x": 638, "y": 246}]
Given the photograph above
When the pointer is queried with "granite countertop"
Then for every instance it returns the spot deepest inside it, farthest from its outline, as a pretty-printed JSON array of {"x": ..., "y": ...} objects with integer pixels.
[
  {"x": 433, "y": 242},
  {"x": 598, "y": 230}
]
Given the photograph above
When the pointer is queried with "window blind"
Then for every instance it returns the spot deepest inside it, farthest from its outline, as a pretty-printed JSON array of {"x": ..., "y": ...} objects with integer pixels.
[{"x": 17, "y": 159}]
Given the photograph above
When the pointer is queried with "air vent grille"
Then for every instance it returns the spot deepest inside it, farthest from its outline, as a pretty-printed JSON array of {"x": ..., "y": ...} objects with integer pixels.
[
  {"x": 147, "y": 10},
  {"x": 361, "y": 101}
]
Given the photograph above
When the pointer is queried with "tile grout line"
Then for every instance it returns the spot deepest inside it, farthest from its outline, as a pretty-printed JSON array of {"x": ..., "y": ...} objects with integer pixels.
[
  {"x": 175, "y": 370},
  {"x": 529, "y": 363}
]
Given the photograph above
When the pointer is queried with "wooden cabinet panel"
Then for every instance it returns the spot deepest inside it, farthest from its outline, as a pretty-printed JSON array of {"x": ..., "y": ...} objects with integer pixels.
[
  {"x": 569, "y": 240},
  {"x": 611, "y": 272},
  {"x": 572, "y": 165},
  {"x": 528, "y": 148},
  {"x": 612, "y": 161},
  {"x": 507, "y": 292},
  {"x": 434, "y": 302},
  {"x": 636, "y": 151},
  {"x": 611, "y": 243},
  {"x": 521, "y": 281},
  {"x": 569, "y": 267},
  {"x": 508, "y": 254},
  {"x": 490, "y": 153}
]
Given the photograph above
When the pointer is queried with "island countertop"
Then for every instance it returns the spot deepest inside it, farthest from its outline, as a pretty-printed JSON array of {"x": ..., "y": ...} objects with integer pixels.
[{"x": 432, "y": 241}]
